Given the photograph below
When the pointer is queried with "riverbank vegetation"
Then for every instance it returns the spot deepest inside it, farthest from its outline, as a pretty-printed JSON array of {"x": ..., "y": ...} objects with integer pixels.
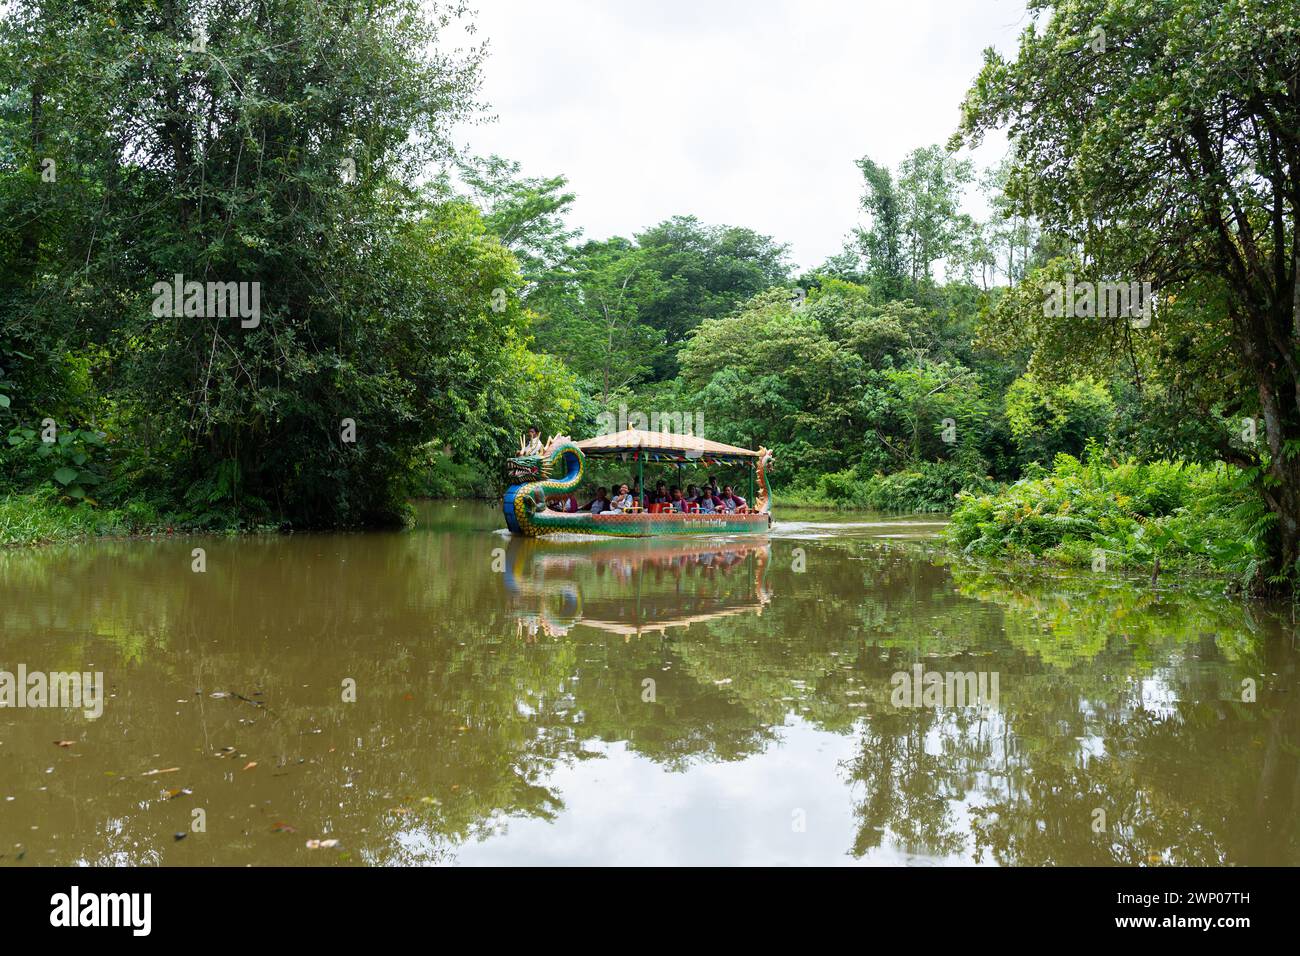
[
  {"x": 1112, "y": 515},
  {"x": 247, "y": 284}
]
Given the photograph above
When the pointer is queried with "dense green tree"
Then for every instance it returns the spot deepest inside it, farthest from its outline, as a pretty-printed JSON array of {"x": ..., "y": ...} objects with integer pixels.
[
  {"x": 273, "y": 146},
  {"x": 914, "y": 218},
  {"x": 527, "y": 214},
  {"x": 880, "y": 242},
  {"x": 707, "y": 271},
  {"x": 1159, "y": 138},
  {"x": 842, "y": 382},
  {"x": 591, "y": 315},
  {"x": 770, "y": 374},
  {"x": 1061, "y": 419}
]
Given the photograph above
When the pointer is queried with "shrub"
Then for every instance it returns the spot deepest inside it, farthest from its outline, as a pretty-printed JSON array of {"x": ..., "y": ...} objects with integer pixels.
[
  {"x": 927, "y": 486},
  {"x": 1184, "y": 515}
]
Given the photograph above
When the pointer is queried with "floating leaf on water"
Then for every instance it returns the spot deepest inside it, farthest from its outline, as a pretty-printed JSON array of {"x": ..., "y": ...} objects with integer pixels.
[
  {"x": 282, "y": 827},
  {"x": 179, "y": 836},
  {"x": 64, "y": 743},
  {"x": 322, "y": 844},
  {"x": 178, "y": 792},
  {"x": 154, "y": 773},
  {"x": 250, "y": 765}
]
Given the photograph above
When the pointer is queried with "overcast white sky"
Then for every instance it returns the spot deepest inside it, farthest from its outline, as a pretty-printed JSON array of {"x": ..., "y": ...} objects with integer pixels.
[{"x": 743, "y": 112}]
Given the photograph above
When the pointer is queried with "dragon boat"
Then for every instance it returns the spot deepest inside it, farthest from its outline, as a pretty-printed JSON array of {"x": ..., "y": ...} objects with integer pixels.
[{"x": 558, "y": 470}]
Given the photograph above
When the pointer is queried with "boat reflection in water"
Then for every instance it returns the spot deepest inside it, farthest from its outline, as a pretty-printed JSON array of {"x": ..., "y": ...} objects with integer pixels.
[{"x": 632, "y": 586}]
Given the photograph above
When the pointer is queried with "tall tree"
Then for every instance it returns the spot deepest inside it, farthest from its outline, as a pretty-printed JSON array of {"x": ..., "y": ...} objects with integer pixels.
[
  {"x": 526, "y": 213},
  {"x": 880, "y": 242},
  {"x": 708, "y": 271},
  {"x": 1162, "y": 139},
  {"x": 271, "y": 147},
  {"x": 930, "y": 185},
  {"x": 591, "y": 315},
  {"x": 914, "y": 218}
]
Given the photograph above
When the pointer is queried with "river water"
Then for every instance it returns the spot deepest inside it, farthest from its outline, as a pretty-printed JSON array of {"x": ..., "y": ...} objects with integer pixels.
[{"x": 451, "y": 695}]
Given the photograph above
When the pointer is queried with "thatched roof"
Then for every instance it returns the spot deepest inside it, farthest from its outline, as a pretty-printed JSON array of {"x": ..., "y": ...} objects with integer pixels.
[{"x": 661, "y": 443}]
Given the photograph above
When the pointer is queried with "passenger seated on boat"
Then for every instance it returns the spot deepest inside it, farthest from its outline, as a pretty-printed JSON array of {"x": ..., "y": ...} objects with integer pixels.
[
  {"x": 679, "y": 500},
  {"x": 731, "y": 501},
  {"x": 566, "y": 503},
  {"x": 534, "y": 444},
  {"x": 692, "y": 496},
  {"x": 599, "y": 503},
  {"x": 661, "y": 495},
  {"x": 704, "y": 501},
  {"x": 623, "y": 500}
]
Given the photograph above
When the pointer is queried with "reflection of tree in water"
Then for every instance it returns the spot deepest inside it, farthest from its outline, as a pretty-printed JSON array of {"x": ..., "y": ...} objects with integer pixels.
[
  {"x": 1184, "y": 771},
  {"x": 1111, "y": 696},
  {"x": 1199, "y": 780},
  {"x": 906, "y": 790}
]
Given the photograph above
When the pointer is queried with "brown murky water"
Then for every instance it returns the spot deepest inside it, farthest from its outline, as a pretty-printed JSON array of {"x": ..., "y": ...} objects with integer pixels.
[{"x": 728, "y": 701}]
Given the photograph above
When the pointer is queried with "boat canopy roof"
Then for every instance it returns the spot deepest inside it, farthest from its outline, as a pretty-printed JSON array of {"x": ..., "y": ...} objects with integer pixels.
[{"x": 664, "y": 446}]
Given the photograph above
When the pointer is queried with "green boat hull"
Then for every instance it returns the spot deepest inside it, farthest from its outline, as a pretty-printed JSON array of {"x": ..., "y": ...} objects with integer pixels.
[{"x": 645, "y": 525}]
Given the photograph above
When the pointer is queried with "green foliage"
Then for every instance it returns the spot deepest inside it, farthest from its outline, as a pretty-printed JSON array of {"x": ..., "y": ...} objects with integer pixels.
[
  {"x": 42, "y": 517},
  {"x": 1101, "y": 101},
  {"x": 914, "y": 218},
  {"x": 924, "y": 487},
  {"x": 1046, "y": 421},
  {"x": 286, "y": 154},
  {"x": 707, "y": 272},
  {"x": 590, "y": 314},
  {"x": 525, "y": 213},
  {"x": 1190, "y": 516},
  {"x": 845, "y": 383},
  {"x": 64, "y": 465},
  {"x": 442, "y": 476},
  {"x": 45, "y": 516}
]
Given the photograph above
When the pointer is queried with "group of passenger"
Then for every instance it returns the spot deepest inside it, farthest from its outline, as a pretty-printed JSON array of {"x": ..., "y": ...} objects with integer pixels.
[{"x": 709, "y": 498}]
